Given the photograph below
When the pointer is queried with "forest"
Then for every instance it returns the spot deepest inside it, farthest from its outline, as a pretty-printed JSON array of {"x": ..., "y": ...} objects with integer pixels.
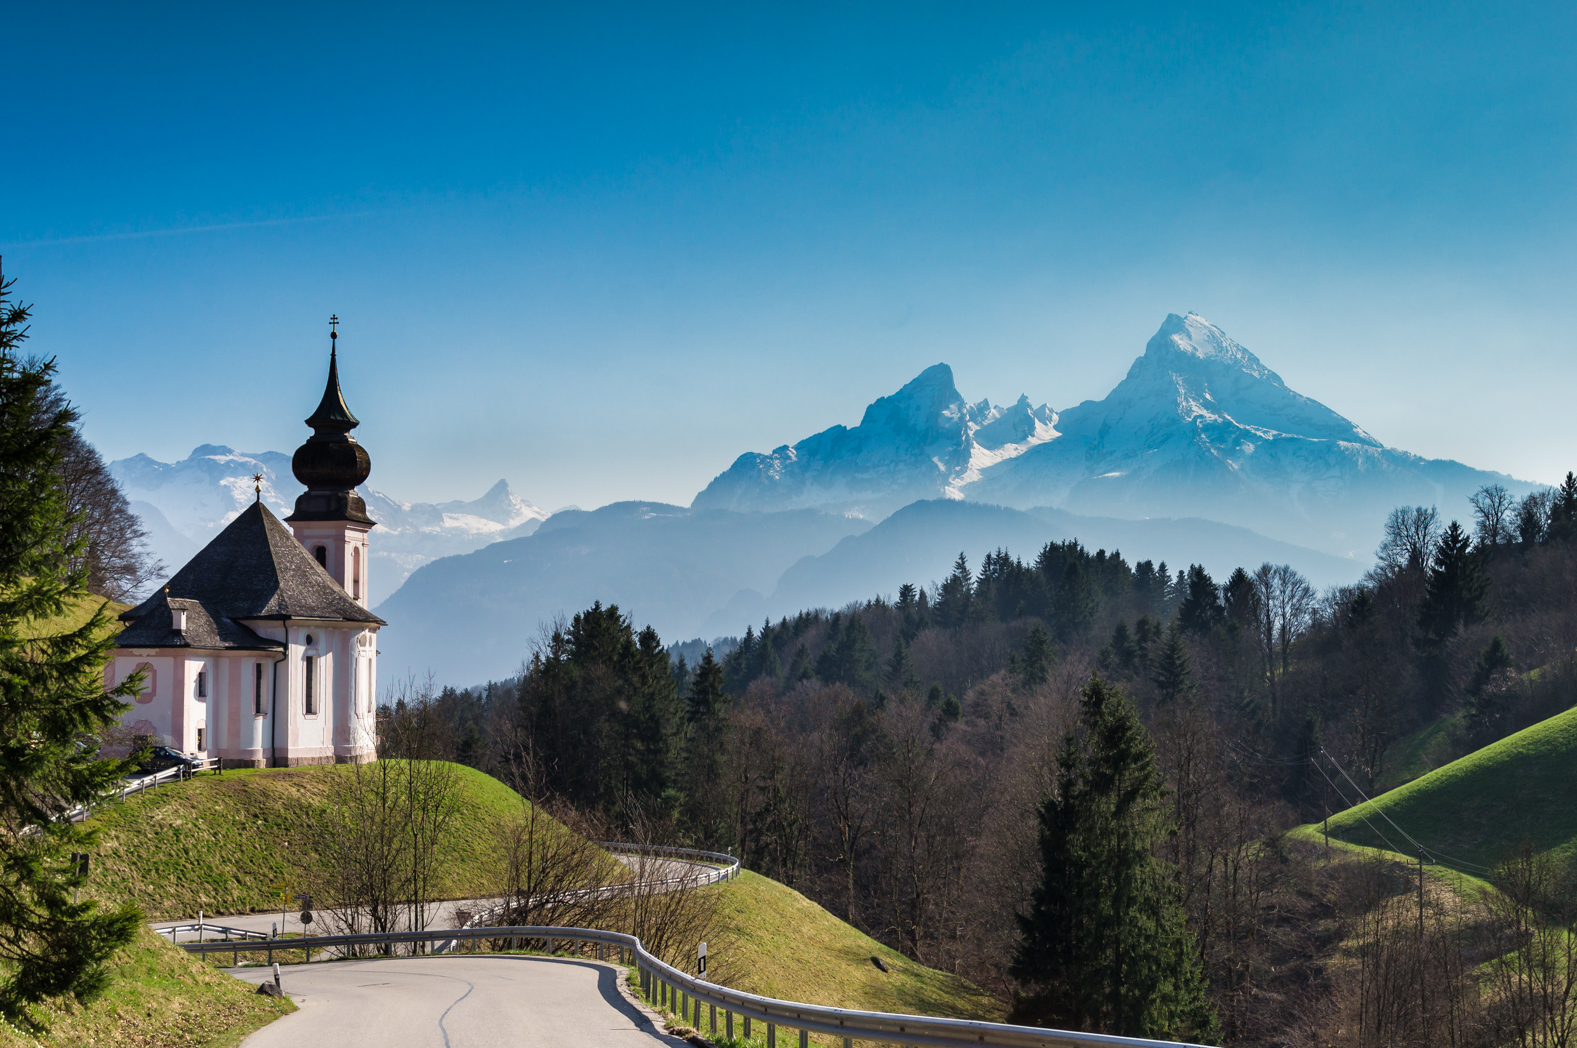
[{"x": 905, "y": 761}]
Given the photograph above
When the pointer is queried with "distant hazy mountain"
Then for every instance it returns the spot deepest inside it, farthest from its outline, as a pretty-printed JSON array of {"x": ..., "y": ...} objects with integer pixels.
[
  {"x": 1198, "y": 428},
  {"x": 184, "y": 504},
  {"x": 475, "y": 617},
  {"x": 919, "y": 543}
]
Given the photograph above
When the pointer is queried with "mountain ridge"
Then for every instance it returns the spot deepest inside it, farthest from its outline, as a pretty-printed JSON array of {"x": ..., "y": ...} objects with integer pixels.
[{"x": 1199, "y": 426}]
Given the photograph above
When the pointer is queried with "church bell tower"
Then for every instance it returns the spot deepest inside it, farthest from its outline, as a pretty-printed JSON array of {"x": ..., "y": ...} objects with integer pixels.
[{"x": 331, "y": 519}]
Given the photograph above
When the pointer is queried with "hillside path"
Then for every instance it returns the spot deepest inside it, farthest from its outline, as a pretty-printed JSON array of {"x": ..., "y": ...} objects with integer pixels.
[
  {"x": 443, "y": 914},
  {"x": 464, "y": 1001}
]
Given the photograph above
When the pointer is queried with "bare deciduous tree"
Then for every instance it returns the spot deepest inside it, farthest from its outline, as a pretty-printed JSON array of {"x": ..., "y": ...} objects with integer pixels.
[
  {"x": 1410, "y": 536},
  {"x": 1494, "y": 515}
]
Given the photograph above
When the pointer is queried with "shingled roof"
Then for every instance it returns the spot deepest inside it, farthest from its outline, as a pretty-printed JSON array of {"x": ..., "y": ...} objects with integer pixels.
[
  {"x": 253, "y": 569},
  {"x": 155, "y": 628}
]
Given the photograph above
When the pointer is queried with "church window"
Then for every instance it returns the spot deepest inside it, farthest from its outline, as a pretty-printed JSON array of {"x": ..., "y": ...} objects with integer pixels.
[
  {"x": 202, "y": 686},
  {"x": 311, "y": 699},
  {"x": 322, "y": 553},
  {"x": 257, "y": 689},
  {"x": 355, "y": 573},
  {"x": 149, "y": 681},
  {"x": 200, "y": 746}
]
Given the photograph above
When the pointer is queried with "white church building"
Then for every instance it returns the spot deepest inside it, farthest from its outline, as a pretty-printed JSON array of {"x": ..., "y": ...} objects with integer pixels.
[{"x": 261, "y": 651}]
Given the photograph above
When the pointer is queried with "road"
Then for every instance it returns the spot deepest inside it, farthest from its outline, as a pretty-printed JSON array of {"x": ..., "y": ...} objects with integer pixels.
[
  {"x": 463, "y": 1001},
  {"x": 441, "y": 914}
]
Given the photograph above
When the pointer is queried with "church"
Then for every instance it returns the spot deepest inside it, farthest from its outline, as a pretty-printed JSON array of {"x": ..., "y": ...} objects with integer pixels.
[{"x": 261, "y": 651}]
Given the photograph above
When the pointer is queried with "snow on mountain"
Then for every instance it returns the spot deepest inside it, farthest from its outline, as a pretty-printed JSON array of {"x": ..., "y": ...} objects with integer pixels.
[
  {"x": 1199, "y": 427},
  {"x": 184, "y": 504},
  {"x": 923, "y": 442}
]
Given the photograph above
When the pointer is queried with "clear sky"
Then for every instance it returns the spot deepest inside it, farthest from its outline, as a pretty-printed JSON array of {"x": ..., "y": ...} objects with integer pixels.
[{"x": 602, "y": 251}]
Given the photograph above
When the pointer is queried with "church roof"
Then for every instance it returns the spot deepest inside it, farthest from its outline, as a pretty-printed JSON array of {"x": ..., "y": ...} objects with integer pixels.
[
  {"x": 155, "y": 628},
  {"x": 253, "y": 569}
]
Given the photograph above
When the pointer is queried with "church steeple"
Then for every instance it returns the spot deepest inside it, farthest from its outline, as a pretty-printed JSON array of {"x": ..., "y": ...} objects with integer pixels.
[
  {"x": 331, "y": 463},
  {"x": 332, "y": 414}
]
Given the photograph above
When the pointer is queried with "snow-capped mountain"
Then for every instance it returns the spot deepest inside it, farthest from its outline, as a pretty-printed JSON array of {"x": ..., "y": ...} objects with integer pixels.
[
  {"x": 1199, "y": 427},
  {"x": 923, "y": 442},
  {"x": 184, "y": 504}
]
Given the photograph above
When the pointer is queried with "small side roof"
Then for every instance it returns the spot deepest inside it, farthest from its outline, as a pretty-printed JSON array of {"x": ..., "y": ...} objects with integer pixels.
[{"x": 155, "y": 628}]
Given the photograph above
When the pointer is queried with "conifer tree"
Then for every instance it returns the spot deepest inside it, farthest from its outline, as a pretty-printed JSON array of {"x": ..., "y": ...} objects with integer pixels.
[
  {"x": 1034, "y": 662},
  {"x": 1201, "y": 610},
  {"x": 900, "y": 667},
  {"x": 1171, "y": 670},
  {"x": 955, "y": 599},
  {"x": 1457, "y": 589},
  {"x": 1104, "y": 946},
  {"x": 52, "y": 701}
]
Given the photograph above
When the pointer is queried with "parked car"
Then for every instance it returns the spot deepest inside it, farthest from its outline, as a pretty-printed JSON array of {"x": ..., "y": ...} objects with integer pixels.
[{"x": 160, "y": 758}]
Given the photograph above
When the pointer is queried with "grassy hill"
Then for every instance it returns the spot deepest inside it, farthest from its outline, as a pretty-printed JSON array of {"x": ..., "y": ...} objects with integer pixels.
[
  {"x": 218, "y": 842},
  {"x": 1480, "y": 808},
  {"x": 780, "y": 944},
  {"x": 160, "y": 996}
]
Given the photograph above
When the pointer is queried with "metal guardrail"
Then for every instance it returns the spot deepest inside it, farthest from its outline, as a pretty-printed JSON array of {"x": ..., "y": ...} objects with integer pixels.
[
  {"x": 203, "y": 928},
  {"x": 130, "y": 787},
  {"x": 680, "y": 993},
  {"x": 718, "y": 867}
]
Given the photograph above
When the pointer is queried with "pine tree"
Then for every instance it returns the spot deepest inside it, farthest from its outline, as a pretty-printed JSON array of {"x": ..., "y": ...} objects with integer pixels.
[
  {"x": 1563, "y": 511},
  {"x": 52, "y": 701},
  {"x": 1171, "y": 670},
  {"x": 1457, "y": 589},
  {"x": 900, "y": 667},
  {"x": 1104, "y": 946},
  {"x": 955, "y": 600},
  {"x": 1201, "y": 610},
  {"x": 800, "y": 667},
  {"x": 1034, "y": 662}
]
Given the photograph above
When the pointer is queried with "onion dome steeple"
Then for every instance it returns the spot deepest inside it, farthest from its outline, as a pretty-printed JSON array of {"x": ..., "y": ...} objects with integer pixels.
[{"x": 331, "y": 463}]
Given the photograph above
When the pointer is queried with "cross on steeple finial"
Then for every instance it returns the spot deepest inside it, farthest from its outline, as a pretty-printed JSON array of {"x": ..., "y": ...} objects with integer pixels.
[
  {"x": 333, "y": 329},
  {"x": 257, "y": 485}
]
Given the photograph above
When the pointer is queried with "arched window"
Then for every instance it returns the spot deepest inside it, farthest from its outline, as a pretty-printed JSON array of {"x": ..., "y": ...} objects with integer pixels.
[
  {"x": 309, "y": 667},
  {"x": 257, "y": 690},
  {"x": 322, "y": 553},
  {"x": 355, "y": 573},
  {"x": 149, "y": 681}
]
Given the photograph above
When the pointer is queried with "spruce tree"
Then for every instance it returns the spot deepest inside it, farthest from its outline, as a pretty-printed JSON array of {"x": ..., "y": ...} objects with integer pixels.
[
  {"x": 1034, "y": 662},
  {"x": 52, "y": 701},
  {"x": 1457, "y": 590},
  {"x": 1104, "y": 947},
  {"x": 1201, "y": 610},
  {"x": 1171, "y": 670}
]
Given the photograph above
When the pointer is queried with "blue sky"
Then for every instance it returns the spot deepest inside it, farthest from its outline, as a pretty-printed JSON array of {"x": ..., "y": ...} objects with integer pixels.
[{"x": 602, "y": 252}]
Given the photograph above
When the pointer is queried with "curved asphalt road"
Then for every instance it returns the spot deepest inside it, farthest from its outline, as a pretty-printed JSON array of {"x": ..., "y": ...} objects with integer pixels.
[
  {"x": 441, "y": 915},
  {"x": 462, "y": 1001}
]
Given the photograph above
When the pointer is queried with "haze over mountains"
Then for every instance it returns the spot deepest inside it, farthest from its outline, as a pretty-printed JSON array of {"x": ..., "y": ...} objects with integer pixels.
[
  {"x": 1200, "y": 454},
  {"x": 1198, "y": 427},
  {"x": 184, "y": 504}
]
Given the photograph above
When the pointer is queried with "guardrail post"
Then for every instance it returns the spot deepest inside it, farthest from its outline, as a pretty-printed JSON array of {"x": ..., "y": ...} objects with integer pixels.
[
  {"x": 712, "y": 1008},
  {"x": 728, "y": 1024},
  {"x": 804, "y": 1039},
  {"x": 747, "y": 1027},
  {"x": 772, "y": 1035}
]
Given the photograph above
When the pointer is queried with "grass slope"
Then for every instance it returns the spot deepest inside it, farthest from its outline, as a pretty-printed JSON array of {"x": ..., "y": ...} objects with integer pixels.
[
  {"x": 160, "y": 998},
  {"x": 783, "y": 945},
  {"x": 218, "y": 842},
  {"x": 1482, "y": 807}
]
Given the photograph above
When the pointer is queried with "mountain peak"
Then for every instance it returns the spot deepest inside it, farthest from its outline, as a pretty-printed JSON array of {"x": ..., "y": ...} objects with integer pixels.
[
  {"x": 1193, "y": 336},
  {"x": 922, "y": 403}
]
